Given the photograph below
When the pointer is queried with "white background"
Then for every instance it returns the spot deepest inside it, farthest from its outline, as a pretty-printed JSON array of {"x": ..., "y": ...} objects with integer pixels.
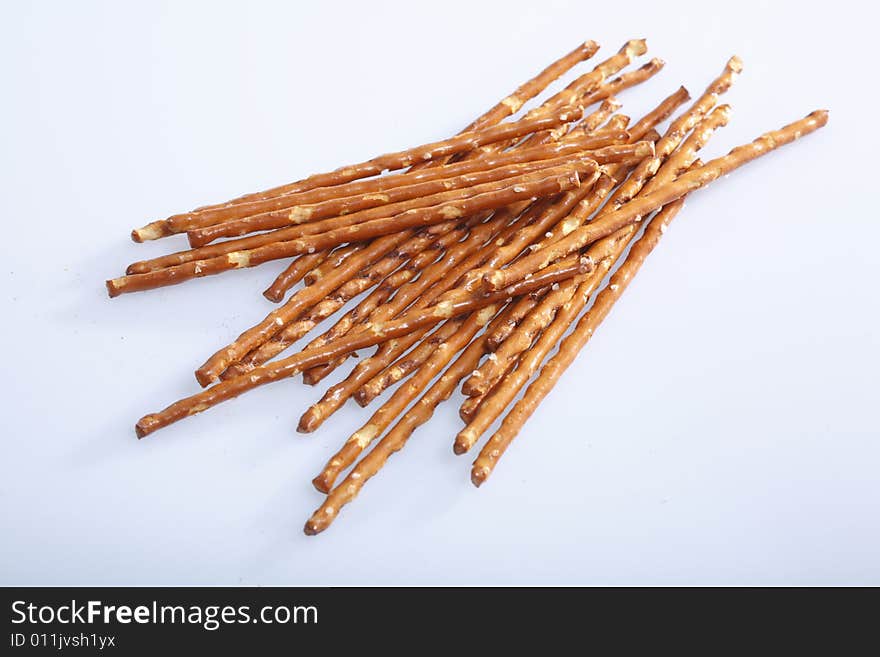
[{"x": 720, "y": 428}]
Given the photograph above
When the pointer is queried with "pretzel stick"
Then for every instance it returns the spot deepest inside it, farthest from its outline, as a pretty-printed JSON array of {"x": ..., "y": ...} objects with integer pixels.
[
  {"x": 577, "y": 89},
  {"x": 396, "y": 438},
  {"x": 291, "y": 332},
  {"x": 397, "y": 371},
  {"x": 308, "y": 268},
  {"x": 406, "y": 323},
  {"x": 540, "y": 183},
  {"x": 426, "y": 289},
  {"x": 462, "y": 142},
  {"x": 455, "y": 257},
  {"x": 357, "y": 209},
  {"x": 307, "y": 206},
  {"x": 469, "y": 407},
  {"x": 680, "y": 160},
  {"x": 423, "y": 242},
  {"x": 528, "y": 90},
  {"x": 507, "y": 107},
  {"x": 295, "y": 330},
  {"x": 388, "y": 353},
  {"x": 339, "y": 256},
  {"x": 505, "y": 356},
  {"x": 568, "y": 214},
  {"x": 621, "y": 210},
  {"x": 571, "y": 345},
  {"x": 518, "y": 313},
  {"x": 623, "y": 82},
  {"x": 489, "y": 373},
  {"x": 293, "y": 274},
  {"x": 575, "y": 145},
  {"x": 463, "y": 330},
  {"x": 411, "y": 361}
]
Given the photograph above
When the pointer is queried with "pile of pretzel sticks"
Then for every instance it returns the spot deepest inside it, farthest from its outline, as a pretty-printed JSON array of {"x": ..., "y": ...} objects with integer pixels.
[{"x": 463, "y": 261}]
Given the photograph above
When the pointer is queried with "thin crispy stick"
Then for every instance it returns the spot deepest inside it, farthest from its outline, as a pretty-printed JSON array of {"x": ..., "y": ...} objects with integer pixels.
[
  {"x": 572, "y": 146},
  {"x": 571, "y": 345},
  {"x": 425, "y": 291},
  {"x": 506, "y": 107},
  {"x": 445, "y": 349},
  {"x": 414, "y": 359},
  {"x": 490, "y": 372},
  {"x": 697, "y": 178},
  {"x": 408, "y": 322},
  {"x": 398, "y": 370},
  {"x": 454, "y": 260},
  {"x": 420, "y": 413},
  {"x": 623, "y": 82},
  {"x": 425, "y": 242},
  {"x": 462, "y": 142},
  {"x": 455, "y": 257},
  {"x": 335, "y": 396},
  {"x": 613, "y": 217},
  {"x": 537, "y": 184},
  {"x": 339, "y": 256},
  {"x": 269, "y": 348},
  {"x": 582, "y": 86},
  {"x": 490, "y": 411},
  {"x": 357, "y": 209},
  {"x": 520, "y": 311},
  {"x": 286, "y": 313},
  {"x": 309, "y": 268},
  {"x": 294, "y": 273}
]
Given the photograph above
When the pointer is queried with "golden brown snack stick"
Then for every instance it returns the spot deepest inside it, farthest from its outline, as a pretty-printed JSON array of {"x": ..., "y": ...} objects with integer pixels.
[
  {"x": 407, "y": 292},
  {"x": 299, "y": 302},
  {"x": 291, "y": 332},
  {"x": 663, "y": 111},
  {"x": 597, "y": 152},
  {"x": 624, "y": 81},
  {"x": 589, "y": 82},
  {"x": 505, "y": 356},
  {"x": 437, "y": 278},
  {"x": 642, "y": 206},
  {"x": 578, "y": 88},
  {"x": 405, "y": 365},
  {"x": 488, "y": 374},
  {"x": 594, "y": 121},
  {"x": 518, "y": 313},
  {"x": 293, "y": 274},
  {"x": 396, "y": 438},
  {"x": 338, "y": 257},
  {"x": 305, "y": 206},
  {"x": 460, "y": 143},
  {"x": 330, "y": 304},
  {"x": 633, "y": 185},
  {"x": 528, "y": 90},
  {"x": 647, "y": 168},
  {"x": 463, "y": 330},
  {"x": 469, "y": 407},
  {"x": 349, "y": 210},
  {"x": 506, "y": 107},
  {"x": 335, "y": 396},
  {"x": 571, "y": 345},
  {"x": 541, "y": 183},
  {"x": 678, "y": 161},
  {"x": 408, "y": 322},
  {"x": 569, "y": 348},
  {"x": 424, "y": 241}
]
